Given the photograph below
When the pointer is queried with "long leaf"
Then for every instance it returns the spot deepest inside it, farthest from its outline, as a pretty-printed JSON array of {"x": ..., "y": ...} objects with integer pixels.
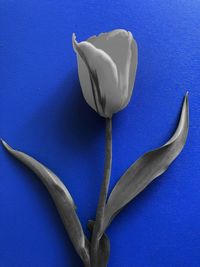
[
  {"x": 147, "y": 168},
  {"x": 62, "y": 199}
]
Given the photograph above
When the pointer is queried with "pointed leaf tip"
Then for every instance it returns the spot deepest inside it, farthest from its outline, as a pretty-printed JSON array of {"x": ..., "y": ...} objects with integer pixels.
[
  {"x": 3, "y": 142},
  {"x": 6, "y": 146},
  {"x": 186, "y": 96}
]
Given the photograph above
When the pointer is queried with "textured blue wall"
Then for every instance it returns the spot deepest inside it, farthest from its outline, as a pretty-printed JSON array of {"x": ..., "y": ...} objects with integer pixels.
[{"x": 43, "y": 113}]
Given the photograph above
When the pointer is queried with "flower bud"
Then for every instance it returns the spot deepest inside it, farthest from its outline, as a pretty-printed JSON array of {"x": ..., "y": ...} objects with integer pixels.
[{"x": 107, "y": 66}]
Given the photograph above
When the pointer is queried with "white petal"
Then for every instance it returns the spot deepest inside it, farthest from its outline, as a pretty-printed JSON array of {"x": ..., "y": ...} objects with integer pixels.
[
  {"x": 132, "y": 70},
  {"x": 118, "y": 44},
  {"x": 84, "y": 78},
  {"x": 107, "y": 98}
]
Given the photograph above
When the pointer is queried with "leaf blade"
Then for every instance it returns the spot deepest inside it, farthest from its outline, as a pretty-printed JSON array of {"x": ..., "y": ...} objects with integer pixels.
[
  {"x": 62, "y": 200},
  {"x": 147, "y": 168}
]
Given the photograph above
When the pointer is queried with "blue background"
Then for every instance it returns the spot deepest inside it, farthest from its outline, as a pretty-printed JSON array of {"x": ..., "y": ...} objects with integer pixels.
[{"x": 43, "y": 113}]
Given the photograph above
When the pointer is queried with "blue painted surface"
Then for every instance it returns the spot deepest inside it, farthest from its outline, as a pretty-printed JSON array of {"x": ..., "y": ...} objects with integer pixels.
[{"x": 43, "y": 113}]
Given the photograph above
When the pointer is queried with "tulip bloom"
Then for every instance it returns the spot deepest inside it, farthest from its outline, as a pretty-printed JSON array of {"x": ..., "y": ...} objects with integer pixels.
[{"x": 107, "y": 66}]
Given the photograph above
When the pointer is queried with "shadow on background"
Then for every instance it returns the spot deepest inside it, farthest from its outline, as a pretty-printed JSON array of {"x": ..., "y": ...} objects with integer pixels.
[{"x": 66, "y": 116}]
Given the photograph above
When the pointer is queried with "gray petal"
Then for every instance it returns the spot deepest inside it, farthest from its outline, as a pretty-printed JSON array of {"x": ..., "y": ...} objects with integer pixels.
[
  {"x": 122, "y": 48},
  {"x": 103, "y": 73},
  {"x": 132, "y": 71}
]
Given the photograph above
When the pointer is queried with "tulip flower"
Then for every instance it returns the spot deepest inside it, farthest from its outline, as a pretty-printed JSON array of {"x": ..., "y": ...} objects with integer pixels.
[{"x": 107, "y": 66}]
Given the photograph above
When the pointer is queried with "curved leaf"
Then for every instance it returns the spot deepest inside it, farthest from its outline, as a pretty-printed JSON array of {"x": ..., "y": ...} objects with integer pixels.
[
  {"x": 104, "y": 247},
  {"x": 62, "y": 199},
  {"x": 146, "y": 169}
]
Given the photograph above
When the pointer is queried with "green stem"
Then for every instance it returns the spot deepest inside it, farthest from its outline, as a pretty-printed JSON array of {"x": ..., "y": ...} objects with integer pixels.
[{"x": 103, "y": 195}]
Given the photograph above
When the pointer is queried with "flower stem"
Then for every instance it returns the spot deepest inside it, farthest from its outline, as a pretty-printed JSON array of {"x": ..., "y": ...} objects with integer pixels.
[{"x": 103, "y": 195}]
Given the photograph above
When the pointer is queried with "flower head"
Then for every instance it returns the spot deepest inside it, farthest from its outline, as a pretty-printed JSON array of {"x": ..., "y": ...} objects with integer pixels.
[{"x": 107, "y": 66}]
